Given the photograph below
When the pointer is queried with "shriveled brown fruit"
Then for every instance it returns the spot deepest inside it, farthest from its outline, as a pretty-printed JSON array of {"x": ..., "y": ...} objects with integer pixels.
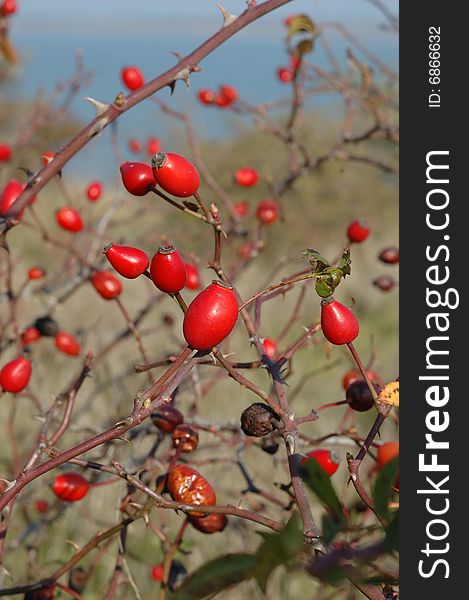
[
  {"x": 212, "y": 523},
  {"x": 186, "y": 438},
  {"x": 256, "y": 420},
  {"x": 188, "y": 486}
]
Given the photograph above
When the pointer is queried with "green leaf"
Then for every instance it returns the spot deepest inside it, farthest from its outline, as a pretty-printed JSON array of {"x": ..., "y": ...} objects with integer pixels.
[
  {"x": 392, "y": 533},
  {"x": 278, "y": 549},
  {"x": 383, "y": 489},
  {"x": 322, "y": 287},
  {"x": 345, "y": 262},
  {"x": 318, "y": 263},
  {"x": 215, "y": 576},
  {"x": 320, "y": 483}
]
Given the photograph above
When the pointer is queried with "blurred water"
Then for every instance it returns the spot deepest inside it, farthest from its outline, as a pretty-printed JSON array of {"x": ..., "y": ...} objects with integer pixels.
[{"x": 248, "y": 61}]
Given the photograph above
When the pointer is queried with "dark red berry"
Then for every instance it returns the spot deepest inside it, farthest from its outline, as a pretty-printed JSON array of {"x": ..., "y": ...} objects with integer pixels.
[
  {"x": 175, "y": 174},
  {"x": 257, "y": 420},
  {"x": 327, "y": 459},
  {"x": 5, "y": 152},
  {"x": 229, "y": 93},
  {"x": 339, "y": 324},
  {"x": 46, "y": 326},
  {"x": 94, "y": 191},
  {"x": 212, "y": 523},
  {"x": 68, "y": 218},
  {"x": 270, "y": 347},
  {"x": 167, "y": 418},
  {"x": 241, "y": 208},
  {"x": 137, "y": 178},
  {"x": 384, "y": 282},
  {"x": 132, "y": 78},
  {"x": 211, "y": 316},
  {"x": 67, "y": 344},
  {"x": 167, "y": 270},
  {"x": 358, "y": 231},
  {"x": 267, "y": 211},
  {"x": 359, "y": 396},
  {"x": 70, "y": 487},
  {"x": 246, "y": 177},
  {"x": 157, "y": 572},
  {"x": 185, "y": 437},
  {"x": 192, "y": 276},
  {"x": 106, "y": 284},
  {"x": 389, "y": 255},
  {"x": 15, "y": 375},
  {"x": 128, "y": 261},
  {"x": 9, "y": 195},
  {"x": 30, "y": 335}
]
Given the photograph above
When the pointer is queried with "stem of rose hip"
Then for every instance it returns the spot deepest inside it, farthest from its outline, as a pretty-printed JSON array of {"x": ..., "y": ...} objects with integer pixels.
[
  {"x": 179, "y": 206},
  {"x": 362, "y": 370},
  {"x": 168, "y": 559},
  {"x": 180, "y": 300}
]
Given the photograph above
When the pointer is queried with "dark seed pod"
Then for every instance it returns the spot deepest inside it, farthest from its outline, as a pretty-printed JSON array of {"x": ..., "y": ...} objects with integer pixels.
[
  {"x": 186, "y": 438},
  {"x": 389, "y": 255},
  {"x": 177, "y": 574},
  {"x": 270, "y": 443},
  {"x": 46, "y": 326},
  {"x": 212, "y": 523},
  {"x": 77, "y": 579},
  {"x": 167, "y": 418},
  {"x": 256, "y": 420},
  {"x": 359, "y": 396},
  {"x": 385, "y": 283}
]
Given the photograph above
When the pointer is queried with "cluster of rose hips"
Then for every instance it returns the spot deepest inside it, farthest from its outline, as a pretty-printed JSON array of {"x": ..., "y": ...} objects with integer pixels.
[{"x": 224, "y": 97}]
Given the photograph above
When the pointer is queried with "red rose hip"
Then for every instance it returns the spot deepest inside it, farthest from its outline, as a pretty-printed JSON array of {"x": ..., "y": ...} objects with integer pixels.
[
  {"x": 285, "y": 75},
  {"x": 175, "y": 174},
  {"x": 5, "y": 153},
  {"x": 212, "y": 523},
  {"x": 211, "y": 316},
  {"x": 358, "y": 231},
  {"x": 153, "y": 146},
  {"x": 67, "y": 344},
  {"x": 70, "y": 487},
  {"x": 132, "y": 78},
  {"x": 192, "y": 276},
  {"x": 128, "y": 261},
  {"x": 15, "y": 375},
  {"x": 339, "y": 324},
  {"x": 106, "y": 284},
  {"x": 30, "y": 335},
  {"x": 167, "y": 270},
  {"x": 68, "y": 218},
  {"x": 188, "y": 486},
  {"x": 9, "y": 195},
  {"x": 267, "y": 212},
  {"x": 36, "y": 273},
  {"x": 94, "y": 191},
  {"x": 270, "y": 347},
  {"x": 167, "y": 418},
  {"x": 206, "y": 96},
  {"x": 137, "y": 178},
  {"x": 246, "y": 177},
  {"x": 328, "y": 460}
]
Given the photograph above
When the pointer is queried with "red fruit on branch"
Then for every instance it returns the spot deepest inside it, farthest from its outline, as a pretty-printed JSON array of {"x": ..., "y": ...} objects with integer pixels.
[
  {"x": 270, "y": 347},
  {"x": 339, "y": 324},
  {"x": 5, "y": 152},
  {"x": 70, "y": 219},
  {"x": 212, "y": 523},
  {"x": 267, "y": 211},
  {"x": 132, "y": 78},
  {"x": 106, "y": 284},
  {"x": 295, "y": 61},
  {"x": 9, "y": 195},
  {"x": 41, "y": 506},
  {"x": 157, "y": 572},
  {"x": 358, "y": 231},
  {"x": 241, "y": 208},
  {"x": 221, "y": 101},
  {"x": 185, "y": 437},
  {"x": 36, "y": 273},
  {"x": 229, "y": 92},
  {"x": 45, "y": 593},
  {"x": 192, "y": 276},
  {"x": 384, "y": 282},
  {"x": 30, "y": 335},
  {"x": 47, "y": 157},
  {"x": 137, "y": 178},
  {"x": 328, "y": 460},
  {"x": 8, "y": 8},
  {"x": 285, "y": 75},
  {"x": 135, "y": 146},
  {"x": 211, "y": 316},
  {"x": 206, "y": 96},
  {"x": 175, "y": 174},
  {"x": 188, "y": 486},
  {"x": 153, "y": 146},
  {"x": 167, "y": 418},
  {"x": 15, "y": 375},
  {"x": 167, "y": 270},
  {"x": 94, "y": 191},
  {"x": 389, "y": 255},
  {"x": 128, "y": 261},
  {"x": 359, "y": 395},
  {"x": 67, "y": 344},
  {"x": 386, "y": 452},
  {"x": 246, "y": 177},
  {"x": 70, "y": 487}
]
